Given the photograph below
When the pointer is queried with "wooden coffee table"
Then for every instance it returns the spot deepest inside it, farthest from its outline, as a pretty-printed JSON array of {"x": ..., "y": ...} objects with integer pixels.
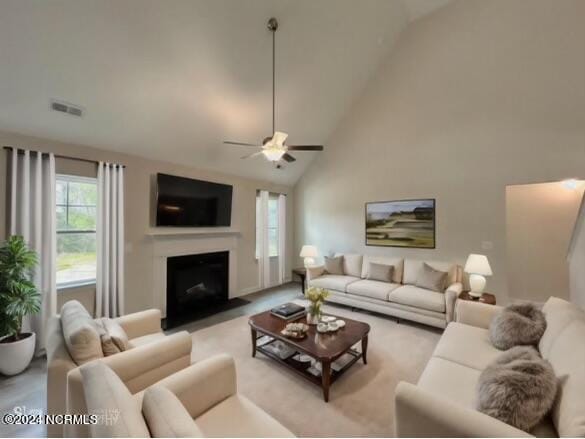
[{"x": 325, "y": 348}]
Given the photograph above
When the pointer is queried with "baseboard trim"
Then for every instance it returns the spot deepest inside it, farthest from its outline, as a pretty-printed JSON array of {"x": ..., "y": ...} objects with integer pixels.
[
  {"x": 256, "y": 288},
  {"x": 250, "y": 290}
]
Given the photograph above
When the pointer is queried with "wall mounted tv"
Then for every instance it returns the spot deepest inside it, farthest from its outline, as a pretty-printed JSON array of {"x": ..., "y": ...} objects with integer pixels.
[{"x": 185, "y": 202}]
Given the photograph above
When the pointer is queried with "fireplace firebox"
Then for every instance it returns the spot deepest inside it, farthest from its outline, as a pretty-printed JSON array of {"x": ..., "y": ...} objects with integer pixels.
[{"x": 197, "y": 286}]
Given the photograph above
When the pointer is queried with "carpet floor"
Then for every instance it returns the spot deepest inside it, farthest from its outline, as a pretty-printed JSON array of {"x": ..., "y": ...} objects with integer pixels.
[{"x": 361, "y": 401}]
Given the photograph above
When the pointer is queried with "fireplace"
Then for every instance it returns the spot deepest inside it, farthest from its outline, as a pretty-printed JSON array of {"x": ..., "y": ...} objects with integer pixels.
[{"x": 197, "y": 286}]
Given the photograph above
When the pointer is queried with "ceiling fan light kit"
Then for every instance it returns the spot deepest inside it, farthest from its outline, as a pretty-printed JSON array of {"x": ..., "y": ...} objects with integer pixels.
[{"x": 273, "y": 147}]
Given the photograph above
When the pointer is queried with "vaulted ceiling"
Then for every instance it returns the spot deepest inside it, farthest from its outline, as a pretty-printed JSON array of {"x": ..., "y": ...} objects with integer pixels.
[{"x": 170, "y": 79}]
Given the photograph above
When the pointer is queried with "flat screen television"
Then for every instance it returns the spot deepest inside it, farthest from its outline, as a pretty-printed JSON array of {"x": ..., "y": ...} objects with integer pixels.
[{"x": 185, "y": 202}]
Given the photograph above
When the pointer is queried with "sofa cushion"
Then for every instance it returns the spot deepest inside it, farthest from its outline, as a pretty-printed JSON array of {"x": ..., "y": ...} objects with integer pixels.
[
  {"x": 419, "y": 298},
  {"x": 334, "y": 265},
  {"x": 371, "y": 288},
  {"x": 237, "y": 416},
  {"x": 333, "y": 282},
  {"x": 467, "y": 345},
  {"x": 567, "y": 356},
  {"x": 146, "y": 339},
  {"x": 558, "y": 314},
  {"x": 450, "y": 380},
  {"x": 380, "y": 272},
  {"x": 397, "y": 263},
  {"x": 352, "y": 264},
  {"x": 106, "y": 393},
  {"x": 413, "y": 268},
  {"x": 166, "y": 416},
  {"x": 81, "y": 333}
]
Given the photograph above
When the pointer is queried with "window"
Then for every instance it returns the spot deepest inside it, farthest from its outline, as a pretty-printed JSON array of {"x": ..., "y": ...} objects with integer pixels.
[
  {"x": 76, "y": 225},
  {"x": 271, "y": 224}
]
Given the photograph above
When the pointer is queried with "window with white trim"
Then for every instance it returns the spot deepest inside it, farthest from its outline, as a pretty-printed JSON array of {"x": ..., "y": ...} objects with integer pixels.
[
  {"x": 76, "y": 230},
  {"x": 270, "y": 222}
]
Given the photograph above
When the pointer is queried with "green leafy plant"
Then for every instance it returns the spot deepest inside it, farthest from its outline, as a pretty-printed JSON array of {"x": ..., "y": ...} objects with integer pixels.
[{"x": 18, "y": 295}]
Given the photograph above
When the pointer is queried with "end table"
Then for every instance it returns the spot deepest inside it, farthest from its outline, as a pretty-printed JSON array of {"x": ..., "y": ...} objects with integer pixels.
[
  {"x": 487, "y": 298},
  {"x": 302, "y": 274}
]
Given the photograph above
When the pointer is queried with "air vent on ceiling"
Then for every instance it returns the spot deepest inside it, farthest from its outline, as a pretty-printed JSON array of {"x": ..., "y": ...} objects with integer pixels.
[{"x": 64, "y": 107}]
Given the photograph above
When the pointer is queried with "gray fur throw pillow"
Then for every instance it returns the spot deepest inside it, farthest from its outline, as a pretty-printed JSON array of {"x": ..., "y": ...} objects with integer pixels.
[
  {"x": 521, "y": 324},
  {"x": 518, "y": 388}
]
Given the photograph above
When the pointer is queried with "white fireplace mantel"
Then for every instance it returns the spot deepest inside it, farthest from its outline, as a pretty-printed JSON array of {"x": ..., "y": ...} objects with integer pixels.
[
  {"x": 178, "y": 231},
  {"x": 168, "y": 244}
]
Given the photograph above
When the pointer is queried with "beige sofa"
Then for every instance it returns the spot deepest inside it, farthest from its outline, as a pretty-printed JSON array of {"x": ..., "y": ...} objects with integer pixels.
[
  {"x": 400, "y": 298},
  {"x": 442, "y": 403},
  {"x": 152, "y": 357},
  {"x": 207, "y": 390}
]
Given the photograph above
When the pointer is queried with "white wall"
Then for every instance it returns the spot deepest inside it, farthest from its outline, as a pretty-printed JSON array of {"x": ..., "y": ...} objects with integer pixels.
[
  {"x": 540, "y": 219},
  {"x": 577, "y": 260},
  {"x": 478, "y": 96}
]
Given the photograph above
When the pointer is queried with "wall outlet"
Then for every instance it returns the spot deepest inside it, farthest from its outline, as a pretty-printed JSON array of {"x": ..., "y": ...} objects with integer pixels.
[{"x": 487, "y": 245}]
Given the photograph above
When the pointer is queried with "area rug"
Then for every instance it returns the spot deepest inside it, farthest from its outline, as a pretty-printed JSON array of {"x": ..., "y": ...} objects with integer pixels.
[{"x": 361, "y": 401}]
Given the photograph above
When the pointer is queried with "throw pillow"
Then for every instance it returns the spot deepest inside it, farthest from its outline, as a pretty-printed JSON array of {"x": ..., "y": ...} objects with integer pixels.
[
  {"x": 117, "y": 333},
  {"x": 81, "y": 333},
  {"x": 108, "y": 345},
  {"x": 518, "y": 388},
  {"x": 431, "y": 279},
  {"x": 334, "y": 265},
  {"x": 520, "y": 324},
  {"x": 166, "y": 416},
  {"x": 380, "y": 272}
]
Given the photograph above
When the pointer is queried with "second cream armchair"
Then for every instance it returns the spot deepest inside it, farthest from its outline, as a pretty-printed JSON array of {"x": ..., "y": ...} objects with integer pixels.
[{"x": 208, "y": 405}]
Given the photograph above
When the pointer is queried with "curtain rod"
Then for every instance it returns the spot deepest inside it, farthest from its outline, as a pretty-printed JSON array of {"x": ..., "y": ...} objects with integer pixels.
[{"x": 21, "y": 151}]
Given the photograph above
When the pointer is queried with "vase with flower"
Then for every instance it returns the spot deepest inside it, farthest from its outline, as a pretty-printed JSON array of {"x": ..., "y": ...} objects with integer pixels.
[{"x": 316, "y": 297}]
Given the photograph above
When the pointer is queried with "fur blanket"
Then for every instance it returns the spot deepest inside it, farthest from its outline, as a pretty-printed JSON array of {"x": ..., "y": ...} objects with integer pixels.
[
  {"x": 518, "y": 388},
  {"x": 521, "y": 324}
]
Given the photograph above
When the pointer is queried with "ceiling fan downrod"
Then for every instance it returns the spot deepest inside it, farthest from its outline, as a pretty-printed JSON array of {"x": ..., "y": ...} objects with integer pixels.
[{"x": 273, "y": 27}]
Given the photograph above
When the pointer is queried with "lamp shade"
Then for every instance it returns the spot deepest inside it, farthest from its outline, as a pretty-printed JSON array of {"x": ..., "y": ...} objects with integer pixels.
[
  {"x": 309, "y": 251},
  {"x": 478, "y": 264}
]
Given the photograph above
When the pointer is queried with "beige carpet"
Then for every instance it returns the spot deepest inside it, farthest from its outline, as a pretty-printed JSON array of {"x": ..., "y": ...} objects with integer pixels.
[{"x": 361, "y": 401}]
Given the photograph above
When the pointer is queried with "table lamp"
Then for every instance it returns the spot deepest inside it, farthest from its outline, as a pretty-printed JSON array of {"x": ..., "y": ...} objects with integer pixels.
[
  {"x": 477, "y": 266},
  {"x": 309, "y": 252}
]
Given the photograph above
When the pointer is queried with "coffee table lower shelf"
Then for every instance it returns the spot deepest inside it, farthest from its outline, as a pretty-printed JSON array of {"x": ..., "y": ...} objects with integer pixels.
[{"x": 328, "y": 374}]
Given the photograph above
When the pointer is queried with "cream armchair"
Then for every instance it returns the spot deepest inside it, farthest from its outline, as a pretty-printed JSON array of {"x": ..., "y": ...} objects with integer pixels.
[
  {"x": 151, "y": 357},
  {"x": 206, "y": 403}
]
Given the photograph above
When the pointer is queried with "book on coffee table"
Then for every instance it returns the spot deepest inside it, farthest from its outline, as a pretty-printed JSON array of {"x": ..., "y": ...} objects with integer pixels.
[{"x": 288, "y": 311}]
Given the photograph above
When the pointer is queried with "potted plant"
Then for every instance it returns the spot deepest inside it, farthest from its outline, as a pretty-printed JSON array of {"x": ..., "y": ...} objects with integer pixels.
[
  {"x": 18, "y": 298},
  {"x": 316, "y": 296}
]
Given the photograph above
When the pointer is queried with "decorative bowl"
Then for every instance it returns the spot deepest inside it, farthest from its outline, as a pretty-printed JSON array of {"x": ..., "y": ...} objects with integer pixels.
[{"x": 295, "y": 330}]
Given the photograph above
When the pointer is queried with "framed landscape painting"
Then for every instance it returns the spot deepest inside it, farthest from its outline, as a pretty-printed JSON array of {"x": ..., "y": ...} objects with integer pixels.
[{"x": 404, "y": 223}]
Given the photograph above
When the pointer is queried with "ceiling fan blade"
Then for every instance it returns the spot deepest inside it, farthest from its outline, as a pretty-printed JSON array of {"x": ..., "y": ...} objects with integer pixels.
[
  {"x": 254, "y": 154},
  {"x": 287, "y": 157},
  {"x": 305, "y": 147},
  {"x": 229, "y": 142}
]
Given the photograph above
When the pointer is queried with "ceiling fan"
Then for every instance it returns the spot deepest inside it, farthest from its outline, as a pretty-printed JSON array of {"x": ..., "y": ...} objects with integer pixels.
[{"x": 274, "y": 147}]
